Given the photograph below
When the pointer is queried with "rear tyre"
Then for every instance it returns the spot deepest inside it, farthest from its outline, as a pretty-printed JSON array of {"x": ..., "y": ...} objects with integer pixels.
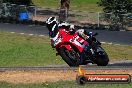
[{"x": 70, "y": 57}]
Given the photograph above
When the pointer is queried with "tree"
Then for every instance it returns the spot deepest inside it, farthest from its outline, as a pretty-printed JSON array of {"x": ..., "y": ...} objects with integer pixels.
[
  {"x": 19, "y": 2},
  {"x": 1, "y": 1},
  {"x": 116, "y": 5},
  {"x": 118, "y": 10}
]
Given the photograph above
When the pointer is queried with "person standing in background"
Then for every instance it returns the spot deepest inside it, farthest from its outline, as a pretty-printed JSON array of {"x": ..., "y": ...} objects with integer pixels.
[
  {"x": 65, "y": 4},
  {"x": 64, "y": 8}
]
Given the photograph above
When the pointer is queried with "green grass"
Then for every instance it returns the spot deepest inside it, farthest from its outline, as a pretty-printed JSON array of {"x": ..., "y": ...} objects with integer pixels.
[
  {"x": 46, "y": 3},
  {"x": 63, "y": 84},
  {"x": 82, "y": 5},
  {"x": 118, "y": 52},
  {"x": 25, "y": 50},
  {"x": 21, "y": 50}
]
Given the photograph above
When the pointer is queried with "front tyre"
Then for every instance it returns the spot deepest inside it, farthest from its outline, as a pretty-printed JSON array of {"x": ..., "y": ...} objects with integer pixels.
[
  {"x": 70, "y": 57},
  {"x": 101, "y": 57}
]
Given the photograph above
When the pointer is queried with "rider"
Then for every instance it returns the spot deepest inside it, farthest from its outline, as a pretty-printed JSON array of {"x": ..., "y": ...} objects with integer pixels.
[{"x": 53, "y": 26}]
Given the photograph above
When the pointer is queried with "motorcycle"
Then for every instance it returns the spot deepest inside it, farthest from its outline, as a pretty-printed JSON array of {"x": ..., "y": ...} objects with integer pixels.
[{"x": 70, "y": 45}]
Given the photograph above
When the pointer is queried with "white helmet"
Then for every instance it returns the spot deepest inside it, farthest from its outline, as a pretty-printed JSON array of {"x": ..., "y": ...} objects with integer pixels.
[{"x": 52, "y": 23}]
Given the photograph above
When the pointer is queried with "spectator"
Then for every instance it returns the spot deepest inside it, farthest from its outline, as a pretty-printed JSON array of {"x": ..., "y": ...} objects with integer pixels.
[{"x": 64, "y": 4}]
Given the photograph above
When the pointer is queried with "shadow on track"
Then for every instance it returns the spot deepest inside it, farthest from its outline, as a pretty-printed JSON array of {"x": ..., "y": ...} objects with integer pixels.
[{"x": 123, "y": 63}]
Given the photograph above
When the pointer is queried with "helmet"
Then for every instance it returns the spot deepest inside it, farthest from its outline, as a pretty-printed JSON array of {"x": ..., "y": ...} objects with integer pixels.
[{"x": 52, "y": 23}]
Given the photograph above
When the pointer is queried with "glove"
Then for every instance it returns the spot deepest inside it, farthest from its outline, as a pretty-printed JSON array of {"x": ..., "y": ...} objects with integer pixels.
[
  {"x": 90, "y": 34},
  {"x": 72, "y": 27},
  {"x": 89, "y": 41}
]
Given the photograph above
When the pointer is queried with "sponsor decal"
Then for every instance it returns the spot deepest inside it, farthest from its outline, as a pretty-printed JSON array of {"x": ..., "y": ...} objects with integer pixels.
[{"x": 83, "y": 77}]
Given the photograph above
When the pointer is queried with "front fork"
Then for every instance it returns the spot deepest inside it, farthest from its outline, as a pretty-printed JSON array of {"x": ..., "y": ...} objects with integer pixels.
[{"x": 87, "y": 51}]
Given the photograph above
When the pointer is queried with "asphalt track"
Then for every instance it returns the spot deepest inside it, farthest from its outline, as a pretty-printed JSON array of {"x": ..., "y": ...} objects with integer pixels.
[
  {"x": 56, "y": 68},
  {"x": 123, "y": 65},
  {"x": 114, "y": 37}
]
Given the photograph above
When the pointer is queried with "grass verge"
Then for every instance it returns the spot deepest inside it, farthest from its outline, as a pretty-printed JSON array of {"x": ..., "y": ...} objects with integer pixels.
[
  {"x": 118, "y": 52},
  {"x": 25, "y": 50},
  {"x": 63, "y": 84}
]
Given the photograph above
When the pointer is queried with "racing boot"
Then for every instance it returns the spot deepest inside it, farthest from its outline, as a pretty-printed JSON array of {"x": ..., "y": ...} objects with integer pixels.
[{"x": 87, "y": 50}]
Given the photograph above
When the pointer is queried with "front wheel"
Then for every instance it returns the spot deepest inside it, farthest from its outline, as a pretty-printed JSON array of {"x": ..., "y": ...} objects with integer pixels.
[
  {"x": 70, "y": 57},
  {"x": 101, "y": 57}
]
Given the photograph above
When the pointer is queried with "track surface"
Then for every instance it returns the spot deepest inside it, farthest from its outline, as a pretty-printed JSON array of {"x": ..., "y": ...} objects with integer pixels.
[
  {"x": 116, "y": 37},
  {"x": 124, "y": 65},
  {"x": 3, "y": 69}
]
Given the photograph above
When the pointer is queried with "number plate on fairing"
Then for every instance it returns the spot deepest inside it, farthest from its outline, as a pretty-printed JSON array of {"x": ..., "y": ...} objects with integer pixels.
[{"x": 78, "y": 41}]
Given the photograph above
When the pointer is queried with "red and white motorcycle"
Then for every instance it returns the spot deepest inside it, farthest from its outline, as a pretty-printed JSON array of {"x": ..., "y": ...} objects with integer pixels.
[{"x": 70, "y": 46}]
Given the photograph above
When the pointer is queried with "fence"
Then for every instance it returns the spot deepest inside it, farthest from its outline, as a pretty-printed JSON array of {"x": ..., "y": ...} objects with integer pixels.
[
  {"x": 88, "y": 19},
  {"x": 81, "y": 18}
]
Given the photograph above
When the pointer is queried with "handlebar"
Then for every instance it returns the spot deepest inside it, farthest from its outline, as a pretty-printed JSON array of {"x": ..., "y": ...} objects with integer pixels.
[{"x": 95, "y": 34}]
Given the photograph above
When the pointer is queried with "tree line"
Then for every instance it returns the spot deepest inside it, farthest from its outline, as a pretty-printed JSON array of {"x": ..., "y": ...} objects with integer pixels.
[{"x": 19, "y": 2}]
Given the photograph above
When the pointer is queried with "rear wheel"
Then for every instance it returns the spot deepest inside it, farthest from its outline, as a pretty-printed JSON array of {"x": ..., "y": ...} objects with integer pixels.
[{"x": 70, "y": 57}]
